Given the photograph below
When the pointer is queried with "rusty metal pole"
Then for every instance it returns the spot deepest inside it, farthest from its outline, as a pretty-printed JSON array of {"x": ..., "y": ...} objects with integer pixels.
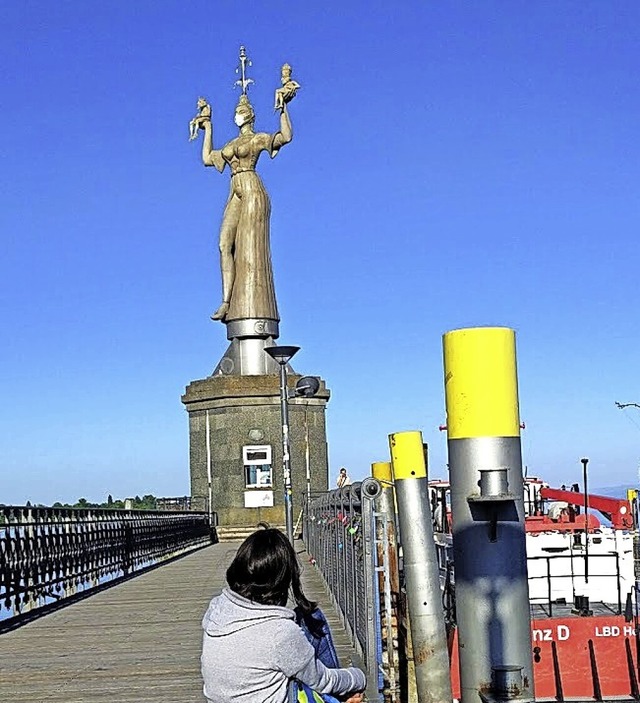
[
  {"x": 389, "y": 577},
  {"x": 421, "y": 571}
]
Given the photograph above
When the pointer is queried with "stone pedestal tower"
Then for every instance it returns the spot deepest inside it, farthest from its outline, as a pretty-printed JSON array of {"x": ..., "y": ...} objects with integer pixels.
[
  {"x": 235, "y": 438},
  {"x": 235, "y": 423}
]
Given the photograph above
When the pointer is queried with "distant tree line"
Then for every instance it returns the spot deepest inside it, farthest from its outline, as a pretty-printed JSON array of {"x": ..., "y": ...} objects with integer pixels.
[{"x": 147, "y": 502}]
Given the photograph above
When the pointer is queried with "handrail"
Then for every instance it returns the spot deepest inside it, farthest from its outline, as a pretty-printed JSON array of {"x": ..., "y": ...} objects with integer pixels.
[
  {"x": 48, "y": 555},
  {"x": 549, "y": 577},
  {"x": 339, "y": 532}
]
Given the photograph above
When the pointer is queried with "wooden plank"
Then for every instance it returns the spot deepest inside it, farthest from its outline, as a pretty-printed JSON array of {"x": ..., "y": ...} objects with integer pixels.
[{"x": 138, "y": 642}]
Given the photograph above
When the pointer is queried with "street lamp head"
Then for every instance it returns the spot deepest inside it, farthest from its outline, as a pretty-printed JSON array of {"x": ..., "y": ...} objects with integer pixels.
[
  {"x": 282, "y": 355},
  {"x": 307, "y": 386}
]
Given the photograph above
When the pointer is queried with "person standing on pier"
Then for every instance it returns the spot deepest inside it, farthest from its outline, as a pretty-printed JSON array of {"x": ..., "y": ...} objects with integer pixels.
[{"x": 343, "y": 478}]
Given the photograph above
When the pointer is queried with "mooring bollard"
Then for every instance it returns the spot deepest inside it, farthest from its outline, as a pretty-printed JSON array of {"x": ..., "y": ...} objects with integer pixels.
[
  {"x": 487, "y": 504},
  {"x": 421, "y": 572}
]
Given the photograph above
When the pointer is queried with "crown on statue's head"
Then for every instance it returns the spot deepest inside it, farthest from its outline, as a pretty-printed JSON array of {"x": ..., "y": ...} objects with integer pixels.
[{"x": 244, "y": 105}]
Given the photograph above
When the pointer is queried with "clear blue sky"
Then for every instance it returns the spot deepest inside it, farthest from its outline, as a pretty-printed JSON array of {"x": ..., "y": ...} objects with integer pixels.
[{"x": 454, "y": 164}]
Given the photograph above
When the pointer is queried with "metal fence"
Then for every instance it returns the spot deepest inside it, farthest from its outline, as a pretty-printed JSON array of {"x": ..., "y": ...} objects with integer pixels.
[
  {"x": 346, "y": 539},
  {"x": 50, "y": 554},
  {"x": 549, "y": 586}
]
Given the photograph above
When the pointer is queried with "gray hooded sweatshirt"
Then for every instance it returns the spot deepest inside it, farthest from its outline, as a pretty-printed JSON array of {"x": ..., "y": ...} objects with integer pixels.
[{"x": 250, "y": 651}]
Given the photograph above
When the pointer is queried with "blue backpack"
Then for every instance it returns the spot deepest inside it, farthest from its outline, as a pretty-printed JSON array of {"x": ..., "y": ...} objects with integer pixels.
[{"x": 320, "y": 639}]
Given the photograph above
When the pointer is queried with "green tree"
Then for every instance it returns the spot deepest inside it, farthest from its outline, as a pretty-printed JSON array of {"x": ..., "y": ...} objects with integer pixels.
[{"x": 148, "y": 502}]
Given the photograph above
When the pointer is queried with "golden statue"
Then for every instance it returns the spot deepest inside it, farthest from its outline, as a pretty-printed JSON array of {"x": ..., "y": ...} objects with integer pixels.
[{"x": 245, "y": 256}]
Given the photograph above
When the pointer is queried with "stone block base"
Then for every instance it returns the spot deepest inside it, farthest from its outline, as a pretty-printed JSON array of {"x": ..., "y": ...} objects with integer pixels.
[{"x": 229, "y": 413}]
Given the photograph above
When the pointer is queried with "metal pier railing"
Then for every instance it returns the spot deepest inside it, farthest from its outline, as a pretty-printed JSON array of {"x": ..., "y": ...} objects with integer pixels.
[
  {"x": 344, "y": 536},
  {"x": 50, "y": 555}
]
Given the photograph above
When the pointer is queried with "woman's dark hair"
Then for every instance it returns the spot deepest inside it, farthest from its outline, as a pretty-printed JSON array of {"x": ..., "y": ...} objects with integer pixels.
[{"x": 265, "y": 568}]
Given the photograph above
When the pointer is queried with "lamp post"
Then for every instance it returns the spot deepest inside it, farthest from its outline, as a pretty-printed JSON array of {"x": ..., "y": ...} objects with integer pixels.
[
  {"x": 586, "y": 519},
  {"x": 282, "y": 356}
]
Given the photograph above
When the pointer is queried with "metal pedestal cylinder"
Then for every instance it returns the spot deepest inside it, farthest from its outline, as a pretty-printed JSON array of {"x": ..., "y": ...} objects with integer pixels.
[{"x": 245, "y": 355}]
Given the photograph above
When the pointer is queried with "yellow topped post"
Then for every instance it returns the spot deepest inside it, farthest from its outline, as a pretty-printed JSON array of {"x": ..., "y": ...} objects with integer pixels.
[
  {"x": 421, "y": 570},
  {"x": 481, "y": 384},
  {"x": 487, "y": 504},
  {"x": 407, "y": 455},
  {"x": 382, "y": 471}
]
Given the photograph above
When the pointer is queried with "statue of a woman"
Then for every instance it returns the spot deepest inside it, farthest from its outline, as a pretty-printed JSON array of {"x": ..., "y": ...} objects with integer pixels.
[{"x": 245, "y": 257}]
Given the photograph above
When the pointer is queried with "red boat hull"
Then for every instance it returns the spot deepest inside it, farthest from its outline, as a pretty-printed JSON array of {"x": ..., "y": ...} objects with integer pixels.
[{"x": 577, "y": 657}]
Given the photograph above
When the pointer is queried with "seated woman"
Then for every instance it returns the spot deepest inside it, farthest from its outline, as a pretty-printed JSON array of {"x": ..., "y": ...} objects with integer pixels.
[{"x": 252, "y": 646}]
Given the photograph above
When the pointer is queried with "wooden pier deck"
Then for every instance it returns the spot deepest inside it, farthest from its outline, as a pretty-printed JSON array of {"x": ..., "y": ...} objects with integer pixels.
[{"x": 138, "y": 642}]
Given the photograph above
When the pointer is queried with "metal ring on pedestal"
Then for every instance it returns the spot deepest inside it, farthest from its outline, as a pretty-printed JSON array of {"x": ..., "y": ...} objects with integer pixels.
[{"x": 253, "y": 327}]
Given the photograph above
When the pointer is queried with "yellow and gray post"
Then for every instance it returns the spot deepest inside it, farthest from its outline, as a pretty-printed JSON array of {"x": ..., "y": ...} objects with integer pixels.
[
  {"x": 422, "y": 578},
  {"x": 487, "y": 504},
  {"x": 389, "y": 577}
]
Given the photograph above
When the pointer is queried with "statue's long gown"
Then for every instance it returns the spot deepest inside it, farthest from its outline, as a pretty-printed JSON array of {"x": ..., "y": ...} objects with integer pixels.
[{"x": 253, "y": 294}]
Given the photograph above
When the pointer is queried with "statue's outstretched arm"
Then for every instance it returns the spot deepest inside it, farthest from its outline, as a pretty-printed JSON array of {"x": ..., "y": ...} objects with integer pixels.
[
  {"x": 285, "y": 135},
  {"x": 211, "y": 156}
]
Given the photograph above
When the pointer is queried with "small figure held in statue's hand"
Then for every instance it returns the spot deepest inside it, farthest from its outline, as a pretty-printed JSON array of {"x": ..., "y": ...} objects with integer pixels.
[
  {"x": 204, "y": 114},
  {"x": 289, "y": 88},
  {"x": 343, "y": 478}
]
